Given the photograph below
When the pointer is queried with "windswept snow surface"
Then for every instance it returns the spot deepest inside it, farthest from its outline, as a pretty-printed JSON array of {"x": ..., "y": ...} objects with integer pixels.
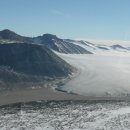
[
  {"x": 104, "y": 74},
  {"x": 66, "y": 115}
]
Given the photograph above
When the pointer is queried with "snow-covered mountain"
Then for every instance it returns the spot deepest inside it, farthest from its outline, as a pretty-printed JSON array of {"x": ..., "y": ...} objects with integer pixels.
[
  {"x": 50, "y": 41},
  {"x": 101, "y": 48},
  {"x": 63, "y": 46},
  {"x": 93, "y": 47},
  {"x": 67, "y": 46}
]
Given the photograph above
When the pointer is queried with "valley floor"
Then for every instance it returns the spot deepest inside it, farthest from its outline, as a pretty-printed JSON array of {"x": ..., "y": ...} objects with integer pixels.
[
  {"x": 47, "y": 94},
  {"x": 26, "y": 95}
]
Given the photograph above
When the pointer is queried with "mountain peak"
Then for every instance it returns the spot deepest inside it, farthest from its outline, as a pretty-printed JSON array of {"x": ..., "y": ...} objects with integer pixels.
[
  {"x": 49, "y": 36},
  {"x": 118, "y": 46},
  {"x": 7, "y": 30},
  {"x": 7, "y": 34}
]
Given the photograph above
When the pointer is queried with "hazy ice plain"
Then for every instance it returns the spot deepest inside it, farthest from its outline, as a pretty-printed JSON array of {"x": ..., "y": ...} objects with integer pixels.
[{"x": 104, "y": 74}]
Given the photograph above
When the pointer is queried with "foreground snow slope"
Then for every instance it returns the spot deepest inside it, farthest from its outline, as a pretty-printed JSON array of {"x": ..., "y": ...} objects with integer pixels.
[
  {"x": 66, "y": 116},
  {"x": 100, "y": 75}
]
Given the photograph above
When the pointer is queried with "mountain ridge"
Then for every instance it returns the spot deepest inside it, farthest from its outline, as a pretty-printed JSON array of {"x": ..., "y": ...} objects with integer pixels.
[
  {"x": 66, "y": 46},
  {"x": 50, "y": 41},
  {"x": 59, "y": 45}
]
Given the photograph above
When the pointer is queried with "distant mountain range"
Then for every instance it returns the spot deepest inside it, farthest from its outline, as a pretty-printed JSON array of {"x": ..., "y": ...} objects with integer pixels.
[
  {"x": 67, "y": 46},
  {"x": 50, "y": 41}
]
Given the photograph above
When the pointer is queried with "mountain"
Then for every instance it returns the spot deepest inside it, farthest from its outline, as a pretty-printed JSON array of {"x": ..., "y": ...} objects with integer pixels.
[
  {"x": 66, "y": 46},
  {"x": 117, "y": 46},
  {"x": 103, "y": 47},
  {"x": 50, "y": 41},
  {"x": 12, "y": 36},
  {"x": 33, "y": 59},
  {"x": 54, "y": 43}
]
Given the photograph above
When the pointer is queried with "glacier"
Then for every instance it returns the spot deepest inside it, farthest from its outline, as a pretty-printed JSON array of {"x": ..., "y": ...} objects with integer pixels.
[{"x": 103, "y": 74}]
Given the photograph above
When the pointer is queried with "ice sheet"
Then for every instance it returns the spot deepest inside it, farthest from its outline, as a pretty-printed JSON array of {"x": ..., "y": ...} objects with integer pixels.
[{"x": 100, "y": 75}]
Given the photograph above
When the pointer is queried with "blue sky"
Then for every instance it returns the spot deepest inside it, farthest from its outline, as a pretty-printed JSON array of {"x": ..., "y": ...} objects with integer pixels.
[{"x": 92, "y": 19}]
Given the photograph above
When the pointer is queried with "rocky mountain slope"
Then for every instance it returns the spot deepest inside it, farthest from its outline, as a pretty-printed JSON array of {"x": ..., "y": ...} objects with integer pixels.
[
  {"x": 60, "y": 45},
  {"x": 24, "y": 62},
  {"x": 67, "y": 46},
  {"x": 33, "y": 60}
]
